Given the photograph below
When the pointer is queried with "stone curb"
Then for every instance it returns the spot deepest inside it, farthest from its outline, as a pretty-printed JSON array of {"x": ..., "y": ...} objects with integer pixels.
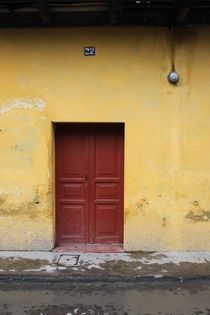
[{"x": 79, "y": 278}]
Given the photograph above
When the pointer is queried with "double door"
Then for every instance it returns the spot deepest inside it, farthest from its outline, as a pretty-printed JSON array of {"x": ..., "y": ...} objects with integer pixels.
[{"x": 89, "y": 183}]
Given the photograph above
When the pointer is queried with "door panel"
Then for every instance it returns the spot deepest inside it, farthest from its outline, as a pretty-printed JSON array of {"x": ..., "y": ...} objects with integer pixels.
[
  {"x": 106, "y": 149},
  {"x": 73, "y": 191},
  {"x": 72, "y": 221},
  {"x": 107, "y": 190},
  {"x": 106, "y": 201},
  {"x": 106, "y": 218},
  {"x": 72, "y": 197},
  {"x": 73, "y": 155},
  {"x": 89, "y": 183}
]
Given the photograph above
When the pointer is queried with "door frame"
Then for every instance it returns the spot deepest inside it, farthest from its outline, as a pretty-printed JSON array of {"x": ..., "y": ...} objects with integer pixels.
[{"x": 68, "y": 124}]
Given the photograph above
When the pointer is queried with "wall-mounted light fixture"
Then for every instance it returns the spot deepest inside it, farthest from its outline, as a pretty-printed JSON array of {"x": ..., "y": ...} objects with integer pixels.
[{"x": 173, "y": 76}]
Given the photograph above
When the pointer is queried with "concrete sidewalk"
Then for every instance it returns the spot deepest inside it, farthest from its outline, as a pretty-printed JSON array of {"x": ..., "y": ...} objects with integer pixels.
[{"x": 41, "y": 266}]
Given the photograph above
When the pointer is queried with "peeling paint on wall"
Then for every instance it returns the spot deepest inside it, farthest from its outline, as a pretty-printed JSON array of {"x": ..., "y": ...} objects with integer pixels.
[
  {"x": 197, "y": 214},
  {"x": 23, "y": 102}
]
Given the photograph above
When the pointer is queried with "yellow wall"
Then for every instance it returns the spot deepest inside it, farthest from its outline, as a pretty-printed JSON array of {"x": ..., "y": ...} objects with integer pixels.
[{"x": 45, "y": 78}]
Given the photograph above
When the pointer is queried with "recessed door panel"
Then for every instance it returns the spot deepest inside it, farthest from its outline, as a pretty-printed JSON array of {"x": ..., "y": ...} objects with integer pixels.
[
  {"x": 89, "y": 183},
  {"x": 73, "y": 191},
  {"x": 73, "y": 154},
  {"x": 105, "y": 218},
  {"x": 106, "y": 149},
  {"x": 107, "y": 190},
  {"x": 73, "y": 221}
]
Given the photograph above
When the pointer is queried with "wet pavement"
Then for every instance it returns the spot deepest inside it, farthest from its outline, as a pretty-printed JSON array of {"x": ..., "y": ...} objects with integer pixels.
[
  {"x": 154, "y": 297},
  {"x": 79, "y": 266}
]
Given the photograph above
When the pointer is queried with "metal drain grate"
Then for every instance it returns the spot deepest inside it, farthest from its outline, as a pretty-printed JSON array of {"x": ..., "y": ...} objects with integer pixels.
[{"x": 68, "y": 260}]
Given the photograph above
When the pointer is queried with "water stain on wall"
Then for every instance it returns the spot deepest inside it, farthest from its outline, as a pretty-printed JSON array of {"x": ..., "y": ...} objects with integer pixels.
[
  {"x": 24, "y": 208},
  {"x": 17, "y": 148},
  {"x": 198, "y": 214},
  {"x": 164, "y": 221},
  {"x": 141, "y": 203},
  {"x": 137, "y": 205},
  {"x": 2, "y": 200}
]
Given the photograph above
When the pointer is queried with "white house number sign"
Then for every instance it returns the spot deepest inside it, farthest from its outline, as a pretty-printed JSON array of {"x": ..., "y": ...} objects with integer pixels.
[{"x": 89, "y": 51}]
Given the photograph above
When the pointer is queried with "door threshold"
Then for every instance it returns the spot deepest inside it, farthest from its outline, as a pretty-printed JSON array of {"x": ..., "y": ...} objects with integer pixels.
[{"x": 90, "y": 248}]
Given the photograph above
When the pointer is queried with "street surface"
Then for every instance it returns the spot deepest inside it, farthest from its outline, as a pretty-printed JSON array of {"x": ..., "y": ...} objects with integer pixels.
[{"x": 153, "y": 297}]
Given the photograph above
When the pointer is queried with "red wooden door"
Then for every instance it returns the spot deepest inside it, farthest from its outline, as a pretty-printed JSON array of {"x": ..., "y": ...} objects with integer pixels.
[{"x": 89, "y": 183}]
